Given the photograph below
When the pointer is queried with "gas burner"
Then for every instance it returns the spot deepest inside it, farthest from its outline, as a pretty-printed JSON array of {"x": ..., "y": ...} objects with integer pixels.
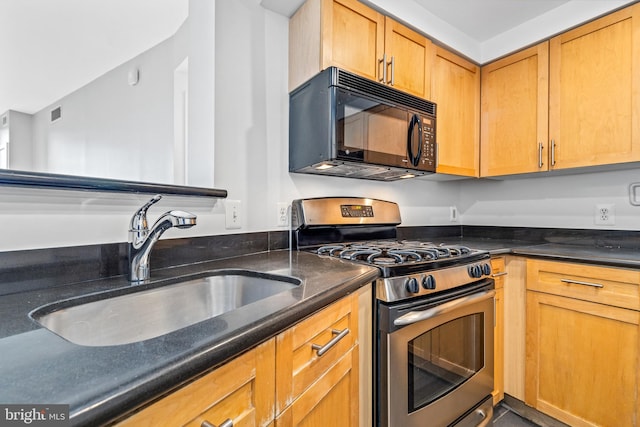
[{"x": 394, "y": 252}]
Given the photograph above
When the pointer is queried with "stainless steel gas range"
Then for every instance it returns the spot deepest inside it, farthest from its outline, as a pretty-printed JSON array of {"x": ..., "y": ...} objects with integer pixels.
[{"x": 434, "y": 312}]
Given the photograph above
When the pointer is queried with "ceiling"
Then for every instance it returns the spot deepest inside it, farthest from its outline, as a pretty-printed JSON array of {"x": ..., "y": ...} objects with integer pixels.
[
  {"x": 480, "y": 19},
  {"x": 484, "y": 19}
]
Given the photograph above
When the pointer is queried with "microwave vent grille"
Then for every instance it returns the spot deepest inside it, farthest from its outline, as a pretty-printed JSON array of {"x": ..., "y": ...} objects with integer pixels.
[{"x": 360, "y": 84}]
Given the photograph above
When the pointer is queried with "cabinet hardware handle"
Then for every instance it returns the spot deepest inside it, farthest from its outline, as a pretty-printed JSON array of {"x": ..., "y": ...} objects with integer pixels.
[
  {"x": 225, "y": 423},
  {"x": 504, "y": 273},
  {"x": 322, "y": 349},
  {"x": 383, "y": 74},
  {"x": 393, "y": 71},
  {"x": 577, "y": 282},
  {"x": 553, "y": 153},
  {"x": 418, "y": 316},
  {"x": 540, "y": 148}
]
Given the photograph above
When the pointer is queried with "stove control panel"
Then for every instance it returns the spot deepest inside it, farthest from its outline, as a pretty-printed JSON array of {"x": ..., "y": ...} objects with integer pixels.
[{"x": 423, "y": 283}]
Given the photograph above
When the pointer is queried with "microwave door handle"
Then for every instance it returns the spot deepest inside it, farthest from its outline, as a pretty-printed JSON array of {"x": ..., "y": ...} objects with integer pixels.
[
  {"x": 458, "y": 303},
  {"x": 415, "y": 160}
]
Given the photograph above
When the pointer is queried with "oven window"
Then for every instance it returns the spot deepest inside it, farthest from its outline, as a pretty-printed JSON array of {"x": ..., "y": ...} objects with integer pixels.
[{"x": 443, "y": 358}]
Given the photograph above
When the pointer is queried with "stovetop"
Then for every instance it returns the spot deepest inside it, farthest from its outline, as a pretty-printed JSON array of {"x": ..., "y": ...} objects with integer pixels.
[{"x": 402, "y": 257}]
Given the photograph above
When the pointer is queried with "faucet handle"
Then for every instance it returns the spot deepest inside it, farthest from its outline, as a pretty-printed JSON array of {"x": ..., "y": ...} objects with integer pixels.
[{"x": 139, "y": 219}]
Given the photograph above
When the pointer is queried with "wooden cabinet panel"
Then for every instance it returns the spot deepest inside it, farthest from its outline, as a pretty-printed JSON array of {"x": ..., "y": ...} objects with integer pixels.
[
  {"x": 408, "y": 55},
  {"x": 582, "y": 361},
  {"x": 514, "y": 123},
  {"x": 349, "y": 35},
  {"x": 498, "y": 272},
  {"x": 583, "y": 343},
  {"x": 594, "y": 92},
  {"x": 299, "y": 364},
  {"x": 613, "y": 286},
  {"x": 455, "y": 87},
  {"x": 331, "y": 400},
  {"x": 352, "y": 37},
  {"x": 241, "y": 390},
  {"x": 514, "y": 326},
  {"x": 344, "y": 33}
]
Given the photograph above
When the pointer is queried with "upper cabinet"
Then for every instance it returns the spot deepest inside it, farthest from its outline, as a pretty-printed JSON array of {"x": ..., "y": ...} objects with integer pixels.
[
  {"x": 515, "y": 99},
  {"x": 567, "y": 103},
  {"x": 455, "y": 88},
  {"x": 349, "y": 35},
  {"x": 594, "y": 92}
]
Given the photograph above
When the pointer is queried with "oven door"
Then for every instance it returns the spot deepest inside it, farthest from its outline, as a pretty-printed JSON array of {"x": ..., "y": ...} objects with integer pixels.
[{"x": 438, "y": 359}]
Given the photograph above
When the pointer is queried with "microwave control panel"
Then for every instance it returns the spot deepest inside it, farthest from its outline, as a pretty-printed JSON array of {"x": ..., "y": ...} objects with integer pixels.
[{"x": 428, "y": 157}]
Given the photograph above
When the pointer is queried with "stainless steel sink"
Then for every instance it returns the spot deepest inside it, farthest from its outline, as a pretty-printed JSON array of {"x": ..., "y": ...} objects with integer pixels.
[{"x": 137, "y": 315}]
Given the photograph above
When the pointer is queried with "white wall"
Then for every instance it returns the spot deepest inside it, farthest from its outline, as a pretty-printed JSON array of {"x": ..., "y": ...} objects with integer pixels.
[{"x": 250, "y": 161}]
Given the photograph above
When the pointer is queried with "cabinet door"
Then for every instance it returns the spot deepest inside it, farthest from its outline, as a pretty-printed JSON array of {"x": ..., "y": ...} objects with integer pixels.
[
  {"x": 352, "y": 37},
  {"x": 408, "y": 56},
  {"x": 331, "y": 401},
  {"x": 582, "y": 361},
  {"x": 514, "y": 121},
  {"x": 455, "y": 87},
  {"x": 594, "y": 92},
  {"x": 242, "y": 391}
]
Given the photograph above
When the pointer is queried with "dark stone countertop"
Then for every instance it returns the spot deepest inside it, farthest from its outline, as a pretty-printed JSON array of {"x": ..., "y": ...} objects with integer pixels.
[{"x": 102, "y": 383}]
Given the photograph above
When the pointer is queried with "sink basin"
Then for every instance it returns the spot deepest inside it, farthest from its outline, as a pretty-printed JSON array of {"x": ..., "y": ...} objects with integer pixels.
[{"x": 116, "y": 318}]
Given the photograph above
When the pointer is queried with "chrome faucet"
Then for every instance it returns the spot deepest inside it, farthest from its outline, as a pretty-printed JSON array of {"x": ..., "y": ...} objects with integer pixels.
[{"x": 142, "y": 239}]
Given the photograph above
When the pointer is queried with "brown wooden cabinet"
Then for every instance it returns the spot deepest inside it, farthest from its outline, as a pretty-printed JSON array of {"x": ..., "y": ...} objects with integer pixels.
[
  {"x": 595, "y": 92},
  {"x": 317, "y": 368},
  {"x": 455, "y": 88},
  {"x": 241, "y": 391},
  {"x": 583, "y": 343},
  {"x": 349, "y": 35},
  {"x": 567, "y": 103},
  {"x": 514, "y": 123}
]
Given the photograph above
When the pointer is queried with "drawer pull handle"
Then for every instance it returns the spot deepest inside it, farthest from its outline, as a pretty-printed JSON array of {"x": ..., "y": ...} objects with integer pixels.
[
  {"x": 322, "y": 349},
  {"x": 576, "y": 282},
  {"x": 504, "y": 273},
  {"x": 226, "y": 423}
]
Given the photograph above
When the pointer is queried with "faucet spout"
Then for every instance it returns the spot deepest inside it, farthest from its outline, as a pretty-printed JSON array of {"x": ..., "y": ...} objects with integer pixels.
[{"x": 142, "y": 238}]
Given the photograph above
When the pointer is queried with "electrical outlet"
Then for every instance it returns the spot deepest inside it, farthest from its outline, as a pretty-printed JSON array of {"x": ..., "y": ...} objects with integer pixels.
[
  {"x": 605, "y": 214},
  {"x": 283, "y": 214},
  {"x": 232, "y": 212},
  {"x": 453, "y": 214}
]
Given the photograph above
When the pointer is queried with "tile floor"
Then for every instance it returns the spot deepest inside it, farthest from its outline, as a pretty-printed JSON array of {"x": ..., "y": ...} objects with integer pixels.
[{"x": 503, "y": 416}]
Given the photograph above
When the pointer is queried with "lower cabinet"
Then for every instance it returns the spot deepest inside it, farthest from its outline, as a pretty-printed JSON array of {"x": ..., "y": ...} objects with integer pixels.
[
  {"x": 241, "y": 391},
  {"x": 306, "y": 376},
  {"x": 583, "y": 343},
  {"x": 317, "y": 368}
]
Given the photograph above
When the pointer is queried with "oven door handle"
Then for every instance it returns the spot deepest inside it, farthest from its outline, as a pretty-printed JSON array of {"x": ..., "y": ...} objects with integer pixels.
[{"x": 418, "y": 316}]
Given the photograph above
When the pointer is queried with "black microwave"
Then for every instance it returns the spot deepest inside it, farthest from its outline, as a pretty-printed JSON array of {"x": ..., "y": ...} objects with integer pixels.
[{"x": 342, "y": 124}]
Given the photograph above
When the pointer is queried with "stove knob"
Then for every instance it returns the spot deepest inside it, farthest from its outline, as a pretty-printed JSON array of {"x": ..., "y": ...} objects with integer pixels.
[
  {"x": 486, "y": 269},
  {"x": 474, "y": 271},
  {"x": 429, "y": 282},
  {"x": 411, "y": 285}
]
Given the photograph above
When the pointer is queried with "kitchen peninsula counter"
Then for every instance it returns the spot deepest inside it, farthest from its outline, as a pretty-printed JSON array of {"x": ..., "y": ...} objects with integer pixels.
[{"x": 102, "y": 383}]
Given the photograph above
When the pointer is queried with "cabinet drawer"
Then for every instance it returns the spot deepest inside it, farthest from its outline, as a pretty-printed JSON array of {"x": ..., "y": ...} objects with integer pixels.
[
  {"x": 297, "y": 349},
  {"x": 241, "y": 390},
  {"x": 498, "y": 271},
  {"x": 606, "y": 285}
]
